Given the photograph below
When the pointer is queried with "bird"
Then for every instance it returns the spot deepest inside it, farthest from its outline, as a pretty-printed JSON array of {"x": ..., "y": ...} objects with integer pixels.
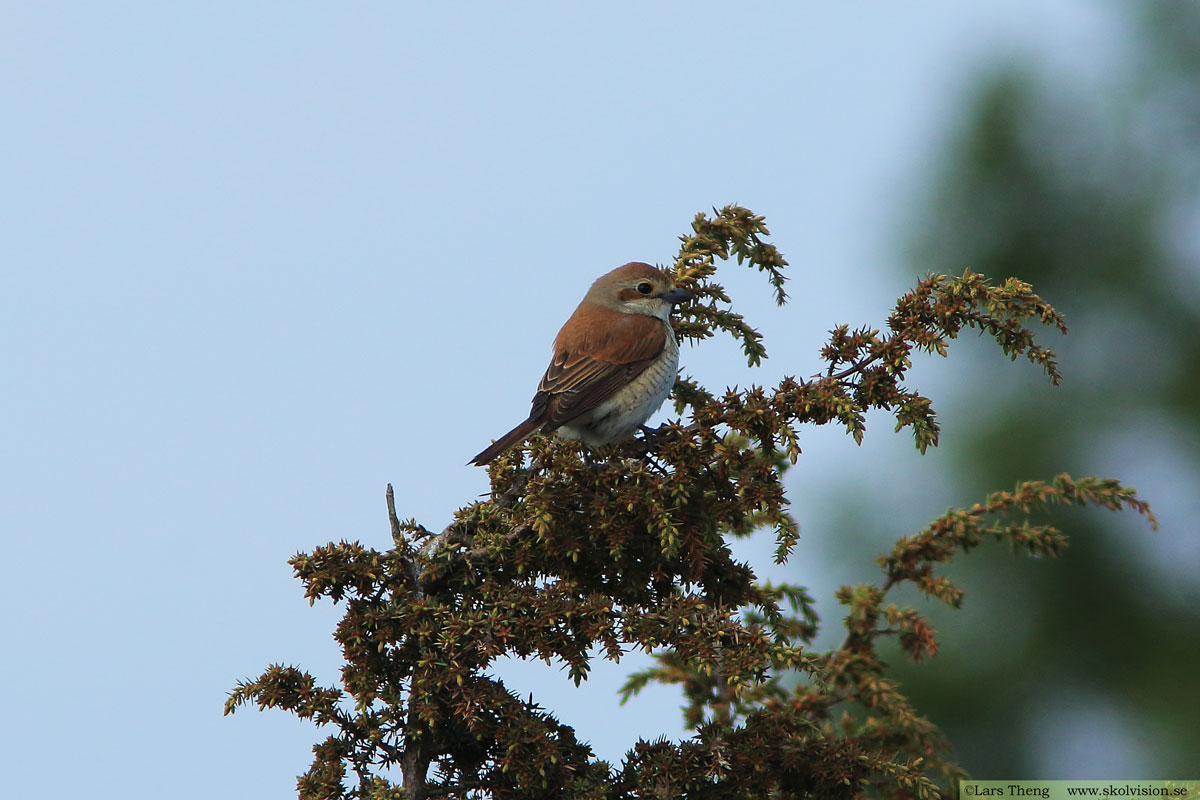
[{"x": 614, "y": 362}]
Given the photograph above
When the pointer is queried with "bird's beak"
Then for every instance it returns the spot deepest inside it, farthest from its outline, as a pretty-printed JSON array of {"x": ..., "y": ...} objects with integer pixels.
[{"x": 676, "y": 296}]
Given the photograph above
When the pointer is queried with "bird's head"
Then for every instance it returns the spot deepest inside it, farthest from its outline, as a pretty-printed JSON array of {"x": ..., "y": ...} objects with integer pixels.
[{"x": 637, "y": 288}]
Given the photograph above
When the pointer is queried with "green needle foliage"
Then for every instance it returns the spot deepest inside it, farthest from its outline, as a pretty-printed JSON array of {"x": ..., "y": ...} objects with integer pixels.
[{"x": 576, "y": 557}]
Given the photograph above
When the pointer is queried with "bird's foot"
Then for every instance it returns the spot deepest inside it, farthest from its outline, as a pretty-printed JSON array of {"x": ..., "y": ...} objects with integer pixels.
[
  {"x": 652, "y": 436},
  {"x": 645, "y": 447}
]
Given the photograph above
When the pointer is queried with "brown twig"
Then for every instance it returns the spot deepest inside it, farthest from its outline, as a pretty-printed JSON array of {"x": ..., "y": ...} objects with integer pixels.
[{"x": 853, "y": 368}]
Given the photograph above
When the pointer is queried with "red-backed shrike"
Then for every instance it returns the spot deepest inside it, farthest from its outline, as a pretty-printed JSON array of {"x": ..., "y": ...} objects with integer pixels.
[{"x": 614, "y": 362}]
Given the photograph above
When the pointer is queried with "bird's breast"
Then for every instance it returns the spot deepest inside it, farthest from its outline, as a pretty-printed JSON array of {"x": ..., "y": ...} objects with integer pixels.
[{"x": 619, "y": 417}]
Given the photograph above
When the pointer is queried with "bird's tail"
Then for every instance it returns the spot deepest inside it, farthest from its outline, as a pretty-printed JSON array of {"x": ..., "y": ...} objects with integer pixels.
[{"x": 506, "y": 441}]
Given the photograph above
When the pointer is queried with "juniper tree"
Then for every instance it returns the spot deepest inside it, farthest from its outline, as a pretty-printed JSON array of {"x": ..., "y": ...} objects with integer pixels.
[{"x": 578, "y": 556}]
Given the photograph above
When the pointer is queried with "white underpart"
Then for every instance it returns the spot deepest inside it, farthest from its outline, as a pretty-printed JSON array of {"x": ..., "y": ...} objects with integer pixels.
[{"x": 619, "y": 417}]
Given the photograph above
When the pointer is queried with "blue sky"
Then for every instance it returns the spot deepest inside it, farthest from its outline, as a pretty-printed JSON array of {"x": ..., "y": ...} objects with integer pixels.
[{"x": 261, "y": 261}]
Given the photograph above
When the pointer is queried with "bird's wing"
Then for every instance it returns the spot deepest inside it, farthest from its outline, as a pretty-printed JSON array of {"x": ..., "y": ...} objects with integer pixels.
[{"x": 590, "y": 369}]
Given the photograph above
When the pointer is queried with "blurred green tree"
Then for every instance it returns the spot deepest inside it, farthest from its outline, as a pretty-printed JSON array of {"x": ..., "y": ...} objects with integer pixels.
[{"x": 1092, "y": 193}]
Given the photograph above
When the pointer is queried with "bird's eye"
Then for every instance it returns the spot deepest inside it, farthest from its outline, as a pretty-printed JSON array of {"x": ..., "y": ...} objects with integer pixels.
[{"x": 644, "y": 288}]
